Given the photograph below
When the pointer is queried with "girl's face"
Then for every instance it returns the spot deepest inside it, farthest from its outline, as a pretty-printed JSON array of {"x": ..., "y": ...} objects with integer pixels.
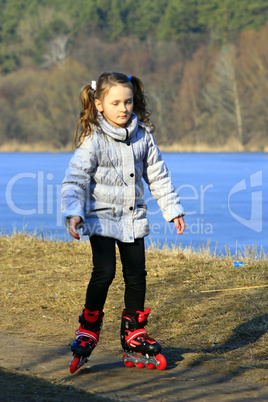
[{"x": 117, "y": 105}]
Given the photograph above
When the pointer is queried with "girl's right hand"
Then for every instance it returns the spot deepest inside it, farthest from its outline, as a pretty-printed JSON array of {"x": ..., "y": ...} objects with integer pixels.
[{"x": 72, "y": 230}]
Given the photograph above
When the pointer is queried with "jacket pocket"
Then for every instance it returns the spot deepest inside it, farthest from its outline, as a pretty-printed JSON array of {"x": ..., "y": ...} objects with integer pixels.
[
  {"x": 103, "y": 213},
  {"x": 104, "y": 209},
  {"x": 140, "y": 211},
  {"x": 142, "y": 206}
]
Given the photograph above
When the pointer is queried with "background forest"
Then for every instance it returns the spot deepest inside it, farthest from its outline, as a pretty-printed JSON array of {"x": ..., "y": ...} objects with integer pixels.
[{"x": 204, "y": 64}]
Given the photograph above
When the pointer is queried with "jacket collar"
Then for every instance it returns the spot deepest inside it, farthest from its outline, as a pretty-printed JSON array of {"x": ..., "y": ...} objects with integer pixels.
[{"x": 120, "y": 134}]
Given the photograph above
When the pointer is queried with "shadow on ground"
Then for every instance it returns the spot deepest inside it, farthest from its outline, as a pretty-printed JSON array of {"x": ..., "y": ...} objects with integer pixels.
[
  {"x": 188, "y": 376},
  {"x": 27, "y": 388},
  {"x": 243, "y": 335}
]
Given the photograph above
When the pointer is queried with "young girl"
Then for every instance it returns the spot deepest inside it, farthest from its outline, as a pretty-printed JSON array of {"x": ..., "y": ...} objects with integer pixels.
[{"x": 102, "y": 194}]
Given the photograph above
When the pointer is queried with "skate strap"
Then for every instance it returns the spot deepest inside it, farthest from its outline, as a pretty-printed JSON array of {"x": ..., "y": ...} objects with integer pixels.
[
  {"x": 134, "y": 334},
  {"x": 143, "y": 315},
  {"x": 89, "y": 334},
  {"x": 92, "y": 316}
]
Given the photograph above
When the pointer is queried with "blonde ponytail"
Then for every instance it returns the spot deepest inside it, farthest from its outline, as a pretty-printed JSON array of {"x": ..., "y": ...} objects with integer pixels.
[
  {"x": 139, "y": 100},
  {"x": 88, "y": 115}
]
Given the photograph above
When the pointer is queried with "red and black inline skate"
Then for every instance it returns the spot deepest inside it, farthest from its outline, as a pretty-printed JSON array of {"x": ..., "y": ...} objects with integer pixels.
[
  {"x": 140, "y": 349},
  {"x": 87, "y": 337}
]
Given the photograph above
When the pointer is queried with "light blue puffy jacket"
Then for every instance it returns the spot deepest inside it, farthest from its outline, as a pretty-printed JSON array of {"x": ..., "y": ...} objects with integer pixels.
[{"x": 103, "y": 184}]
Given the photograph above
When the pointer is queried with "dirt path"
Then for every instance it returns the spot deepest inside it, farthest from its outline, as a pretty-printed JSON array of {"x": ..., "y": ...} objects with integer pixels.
[{"x": 105, "y": 376}]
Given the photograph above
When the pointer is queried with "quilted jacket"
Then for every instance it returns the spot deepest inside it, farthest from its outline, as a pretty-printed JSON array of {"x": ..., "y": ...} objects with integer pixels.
[{"x": 103, "y": 184}]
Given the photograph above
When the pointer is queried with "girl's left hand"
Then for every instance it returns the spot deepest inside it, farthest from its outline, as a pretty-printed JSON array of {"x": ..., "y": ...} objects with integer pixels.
[{"x": 180, "y": 225}]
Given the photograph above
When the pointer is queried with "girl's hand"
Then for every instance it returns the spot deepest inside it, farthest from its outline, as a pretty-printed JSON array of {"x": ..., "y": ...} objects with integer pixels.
[
  {"x": 180, "y": 225},
  {"x": 72, "y": 230}
]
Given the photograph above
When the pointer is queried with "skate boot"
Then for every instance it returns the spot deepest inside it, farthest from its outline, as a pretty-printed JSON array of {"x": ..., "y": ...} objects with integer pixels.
[
  {"x": 140, "y": 348},
  {"x": 87, "y": 337}
]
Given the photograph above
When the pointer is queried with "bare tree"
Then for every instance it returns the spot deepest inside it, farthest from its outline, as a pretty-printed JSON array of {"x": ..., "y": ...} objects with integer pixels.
[
  {"x": 221, "y": 94},
  {"x": 58, "y": 50}
]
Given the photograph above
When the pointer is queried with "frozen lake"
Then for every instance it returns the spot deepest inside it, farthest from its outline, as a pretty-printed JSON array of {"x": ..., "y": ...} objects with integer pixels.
[{"x": 224, "y": 194}]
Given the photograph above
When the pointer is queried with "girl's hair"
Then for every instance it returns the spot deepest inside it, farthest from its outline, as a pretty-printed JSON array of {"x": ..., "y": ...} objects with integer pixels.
[{"x": 89, "y": 113}]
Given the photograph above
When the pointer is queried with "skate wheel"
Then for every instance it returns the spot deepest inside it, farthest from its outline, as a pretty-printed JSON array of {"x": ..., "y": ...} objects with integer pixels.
[
  {"x": 150, "y": 366},
  {"x": 74, "y": 364},
  {"x": 139, "y": 365},
  {"x": 162, "y": 362},
  {"x": 127, "y": 363}
]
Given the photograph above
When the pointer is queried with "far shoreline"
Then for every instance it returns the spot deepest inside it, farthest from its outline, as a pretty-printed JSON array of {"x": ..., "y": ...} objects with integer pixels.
[{"x": 41, "y": 147}]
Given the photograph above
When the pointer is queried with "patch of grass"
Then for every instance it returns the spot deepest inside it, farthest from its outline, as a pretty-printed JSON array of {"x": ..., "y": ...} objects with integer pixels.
[{"x": 43, "y": 288}]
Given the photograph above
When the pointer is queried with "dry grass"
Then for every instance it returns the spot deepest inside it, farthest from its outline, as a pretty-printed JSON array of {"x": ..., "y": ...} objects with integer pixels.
[
  {"x": 231, "y": 145},
  {"x": 44, "y": 285},
  {"x": 15, "y": 146}
]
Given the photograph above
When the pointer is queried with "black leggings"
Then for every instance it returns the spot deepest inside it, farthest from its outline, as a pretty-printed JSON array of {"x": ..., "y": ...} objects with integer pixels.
[{"x": 104, "y": 265}]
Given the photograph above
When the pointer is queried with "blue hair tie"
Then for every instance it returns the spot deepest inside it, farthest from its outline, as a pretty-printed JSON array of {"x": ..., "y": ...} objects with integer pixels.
[{"x": 129, "y": 77}]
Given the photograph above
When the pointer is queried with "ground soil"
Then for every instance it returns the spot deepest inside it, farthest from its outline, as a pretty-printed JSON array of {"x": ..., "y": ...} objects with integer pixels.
[
  {"x": 34, "y": 370},
  {"x": 210, "y": 317}
]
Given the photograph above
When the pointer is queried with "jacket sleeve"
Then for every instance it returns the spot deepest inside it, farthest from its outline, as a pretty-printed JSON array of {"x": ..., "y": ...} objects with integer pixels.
[
  {"x": 75, "y": 185},
  {"x": 159, "y": 182}
]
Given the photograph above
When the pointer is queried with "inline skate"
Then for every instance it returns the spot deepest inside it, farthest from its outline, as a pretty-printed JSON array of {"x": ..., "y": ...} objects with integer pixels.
[
  {"x": 87, "y": 337},
  {"x": 140, "y": 349}
]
